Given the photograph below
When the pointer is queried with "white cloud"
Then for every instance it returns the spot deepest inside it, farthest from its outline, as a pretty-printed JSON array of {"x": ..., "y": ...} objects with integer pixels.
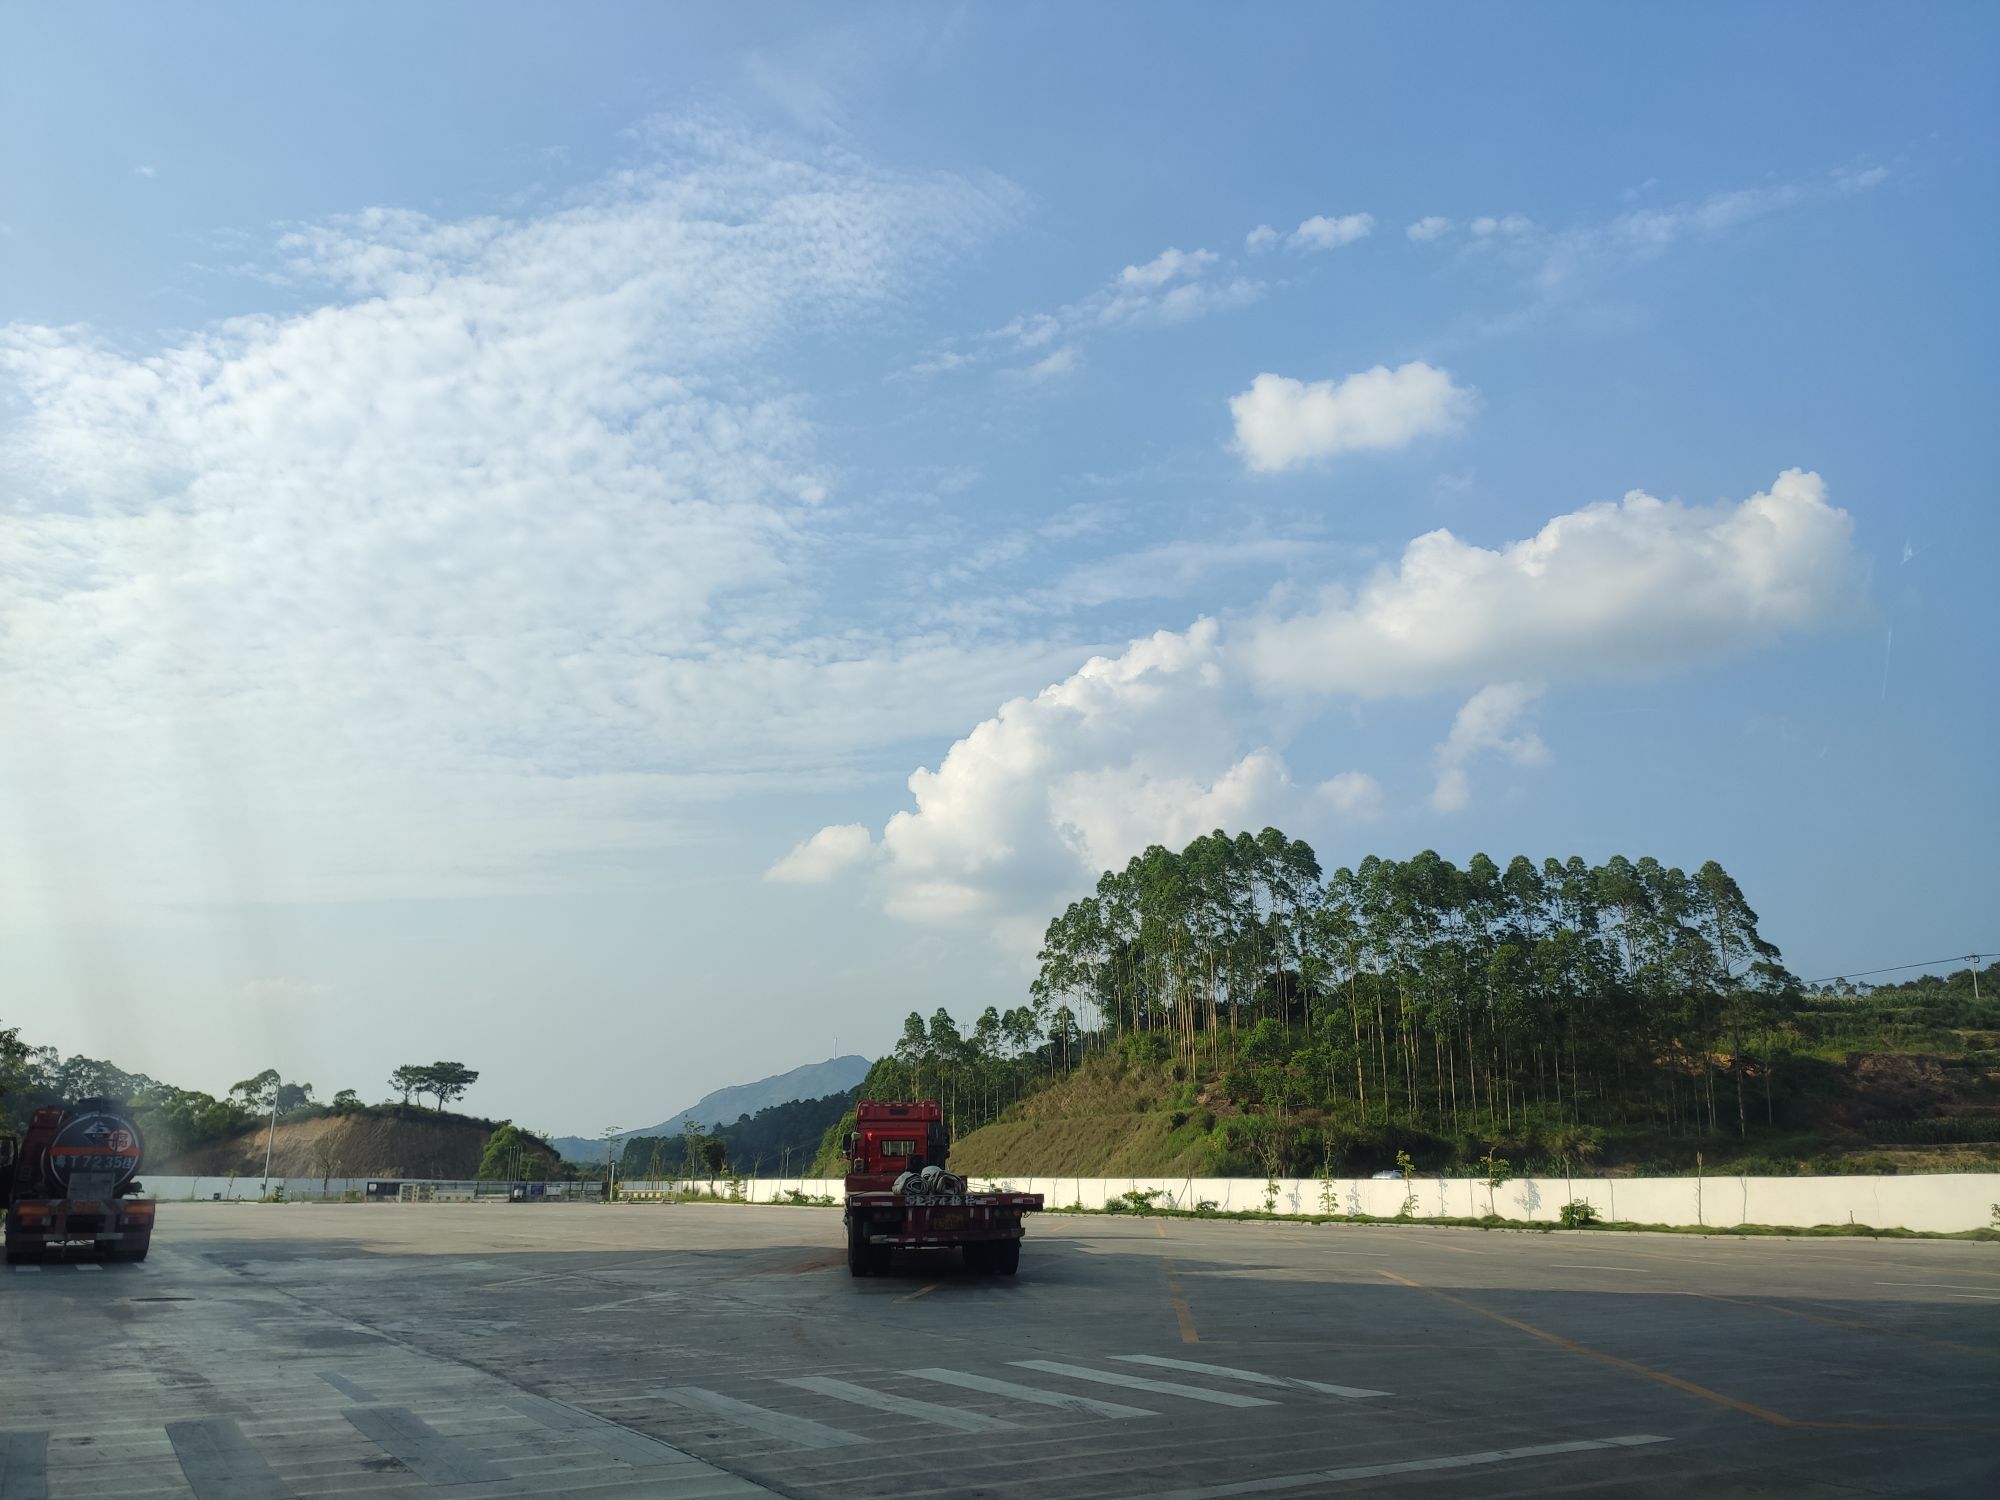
[
  {"x": 1260, "y": 239},
  {"x": 1512, "y": 226},
  {"x": 1429, "y": 227},
  {"x": 1354, "y": 795},
  {"x": 818, "y": 859},
  {"x": 1185, "y": 731},
  {"x": 1861, "y": 179},
  {"x": 1167, "y": 266},
  {"x": 144, "y": 171},
  {"x": 499, "y": 552},
  {"x": 1062, "y": 362},
  {"x": 1323, "y": 233},
  {"x": 1281, "y": 422},
  {"x": 1610, "y": 591},
  {"x": 1173, "y": 287},
  {"x": 1488, "y": 724}
]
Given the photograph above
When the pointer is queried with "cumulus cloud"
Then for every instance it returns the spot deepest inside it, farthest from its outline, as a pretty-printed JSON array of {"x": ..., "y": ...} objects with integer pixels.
[
  {"x": 1281, "y": 422},
  {"x": 1624, "y": 589},
  {"x": 1186, "y": 731},
  {"x": 497, "y": 552},
  {"x": 1488, "y": 724},
  {"x": 1321, "y": 232},
  {"x": 824, "y": 855},
  {"x": 1260, "y": 239},
  {"x": 1429, "y": 227}
]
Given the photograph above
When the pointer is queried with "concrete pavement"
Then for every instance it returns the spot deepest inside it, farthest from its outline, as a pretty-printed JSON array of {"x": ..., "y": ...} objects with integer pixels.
[{"x": 685, "y": 1351}]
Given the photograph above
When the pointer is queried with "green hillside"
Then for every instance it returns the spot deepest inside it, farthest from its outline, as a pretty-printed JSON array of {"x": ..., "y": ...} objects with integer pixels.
[{"x": 1231, "y": 1010}]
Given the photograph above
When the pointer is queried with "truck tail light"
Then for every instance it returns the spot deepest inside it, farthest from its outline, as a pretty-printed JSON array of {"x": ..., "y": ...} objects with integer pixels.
[{"x": 137, "y": 1211}]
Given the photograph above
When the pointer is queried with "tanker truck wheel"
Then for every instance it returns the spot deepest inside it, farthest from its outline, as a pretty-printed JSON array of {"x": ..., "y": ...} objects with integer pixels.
[
  {"x": 1003, "y": 1257},
  {"x": 860, "y": 1256}
]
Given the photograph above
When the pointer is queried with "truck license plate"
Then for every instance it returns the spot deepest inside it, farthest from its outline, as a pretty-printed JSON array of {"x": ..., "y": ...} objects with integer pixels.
[{"x": 948, "y": 1221}]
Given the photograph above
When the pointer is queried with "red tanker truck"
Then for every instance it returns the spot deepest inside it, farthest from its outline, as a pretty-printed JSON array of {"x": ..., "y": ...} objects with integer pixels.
[
  {"x": 70, "y": 1185},
  {"x": 900, "y": 1197}
]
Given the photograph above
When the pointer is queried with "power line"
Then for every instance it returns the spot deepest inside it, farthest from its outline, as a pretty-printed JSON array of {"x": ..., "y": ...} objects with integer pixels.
[{"x": 1929, "y": 963}]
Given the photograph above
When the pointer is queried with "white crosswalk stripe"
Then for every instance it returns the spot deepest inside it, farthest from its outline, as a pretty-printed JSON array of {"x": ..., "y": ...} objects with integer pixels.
[
  {"x": 1034, "y": 1396},
  {"x": 1141, "y": 1383},
  {"x": 902, "y": 1406},
  {"x": 1229, "y": 1372}
]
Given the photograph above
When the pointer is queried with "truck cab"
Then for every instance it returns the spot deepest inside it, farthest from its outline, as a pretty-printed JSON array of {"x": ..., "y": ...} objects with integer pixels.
[{"x": 891, "y": 1139}]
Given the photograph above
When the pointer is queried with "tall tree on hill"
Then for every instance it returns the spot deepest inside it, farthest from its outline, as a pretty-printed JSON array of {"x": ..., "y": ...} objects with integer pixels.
[
  {"x": 447, "y": 1082},
  {"x": 411, "y": 1078}
]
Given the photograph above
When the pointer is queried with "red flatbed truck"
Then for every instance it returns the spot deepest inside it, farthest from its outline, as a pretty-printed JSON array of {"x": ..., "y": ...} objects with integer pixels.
[
  {"x": 900, "y": 1197},
  {"x": 69, "y": 1186}
]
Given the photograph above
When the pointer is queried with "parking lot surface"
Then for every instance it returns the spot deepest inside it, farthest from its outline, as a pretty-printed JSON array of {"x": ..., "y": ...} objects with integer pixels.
[{"x": 682, "y": 1351}]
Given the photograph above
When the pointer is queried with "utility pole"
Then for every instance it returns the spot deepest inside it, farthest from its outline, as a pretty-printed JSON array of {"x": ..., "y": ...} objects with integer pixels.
[
  {"x": 610, "y": 1164},
  {"x": 1973, "y": 959},
  {"x": 271, "y": 1137}
]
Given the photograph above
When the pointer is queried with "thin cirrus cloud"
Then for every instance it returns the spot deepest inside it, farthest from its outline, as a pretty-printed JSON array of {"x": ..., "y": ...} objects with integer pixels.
[
  {"x": 1184, "y": 730},
  {"x": 517, "y": 514},
  {"x": 1282, "y": 422}
]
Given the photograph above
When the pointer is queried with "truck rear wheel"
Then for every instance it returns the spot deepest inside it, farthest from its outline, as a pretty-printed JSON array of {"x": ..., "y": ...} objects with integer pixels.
[
  {"x": 1004, "y": 1257},
  {"x": 860, "y": 1254},
  {"x": 979, "y": 1257}
]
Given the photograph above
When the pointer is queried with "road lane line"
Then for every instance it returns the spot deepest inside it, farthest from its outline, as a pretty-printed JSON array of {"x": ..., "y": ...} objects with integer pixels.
[
  {"x": 795, "y": 1430},
  {"x": 220, "y": 1464},
  {"x": 1061, "y": 1400},
  {"x": 88, "y": 1266},
  {"x": 1140, "y": 1383},
  {"x": 27, "y": 1270},
  {"x": 1229, "y": 1372},
  {"x": 1951, "y": 1286},
  {"x": 1407, "y": 1466},
  {"x": 1774, "y": 1418},
  {"x": 902, "y": 1406},
  {"x": 1183, "y": 1315},
  {"x": 1584, "y": 1265},
  {"x": 922, "y": 1291},
  {"x": 424, "y": 1451},
  {"x": 1976, "y": 1297},
  {"x": 24, "y": 1464}
]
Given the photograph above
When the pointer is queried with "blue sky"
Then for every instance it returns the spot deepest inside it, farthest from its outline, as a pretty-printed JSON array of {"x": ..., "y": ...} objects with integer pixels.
[{"x": 517, "y": 533}]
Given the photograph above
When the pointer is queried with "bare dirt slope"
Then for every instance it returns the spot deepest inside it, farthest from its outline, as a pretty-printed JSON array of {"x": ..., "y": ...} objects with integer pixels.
[{"x": 344, "y": 1146}]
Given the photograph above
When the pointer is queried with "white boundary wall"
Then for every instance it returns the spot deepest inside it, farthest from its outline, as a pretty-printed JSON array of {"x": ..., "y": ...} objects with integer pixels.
[
  {"x": 1939, "y": 1202},
  {"x": 1943, "y": 1201}
]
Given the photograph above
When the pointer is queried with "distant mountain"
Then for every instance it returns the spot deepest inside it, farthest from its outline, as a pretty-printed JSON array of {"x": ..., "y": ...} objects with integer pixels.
[{"x": 726, "y": 1106}]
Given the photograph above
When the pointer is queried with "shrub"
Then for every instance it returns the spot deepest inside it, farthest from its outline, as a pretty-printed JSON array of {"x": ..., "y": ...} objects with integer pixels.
[{"x": 1578, "y": 1213}]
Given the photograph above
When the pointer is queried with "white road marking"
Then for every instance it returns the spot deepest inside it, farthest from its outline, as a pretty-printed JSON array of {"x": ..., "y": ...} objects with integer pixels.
[
  {"x": 1955, "y": 1286},
  {"x": 1140, "y": 1383},
  {"x": 901, "y": 1406},
  {"x": 27, "y": 1270},
  {"x": 1228, "y": 1372},
  {"x": 794, "y": 1430},
  {"x": 1582, "y": 1265},
  {"x": 1061, "y": 1400},
  {"x": 86, "y": 1266},
  {"x": 1976, "y": 1296},
  {"x": 1407, "y": 1466}
]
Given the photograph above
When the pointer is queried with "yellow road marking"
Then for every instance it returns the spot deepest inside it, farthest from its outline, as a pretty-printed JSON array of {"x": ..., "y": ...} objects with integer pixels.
[
  {"x": 1182, "y": 1314},
  {"x": 1763, "y": 1414},
  {"x": 1774, "y": 1418},
  {"x": 921, "y": 1291},
  {"x": 1894, "y": 1333}
]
